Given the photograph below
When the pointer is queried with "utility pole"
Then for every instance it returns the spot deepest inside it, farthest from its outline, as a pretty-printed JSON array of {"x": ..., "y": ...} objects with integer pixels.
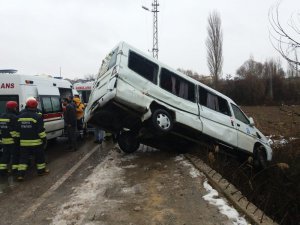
[{"x": 155, "y": 27}]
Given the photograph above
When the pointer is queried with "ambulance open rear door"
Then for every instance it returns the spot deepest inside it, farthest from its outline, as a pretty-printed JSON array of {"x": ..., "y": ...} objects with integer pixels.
[{"x": 50, "y": 104}]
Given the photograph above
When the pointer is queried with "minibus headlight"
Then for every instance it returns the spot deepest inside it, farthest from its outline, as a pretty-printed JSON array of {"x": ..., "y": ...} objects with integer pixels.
[
  {"x": 112, "y": 84},
  {"x": 115, "y": 71}
]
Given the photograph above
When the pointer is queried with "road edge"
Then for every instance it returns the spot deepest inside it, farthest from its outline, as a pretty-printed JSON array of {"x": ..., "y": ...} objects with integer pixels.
[{"x": 240, "y": 202}]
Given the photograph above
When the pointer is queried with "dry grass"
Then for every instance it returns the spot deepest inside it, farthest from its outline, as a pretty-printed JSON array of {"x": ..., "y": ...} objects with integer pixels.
[
  {"x": 283, "y": 121},
  {"x": 276, "y": 120}
]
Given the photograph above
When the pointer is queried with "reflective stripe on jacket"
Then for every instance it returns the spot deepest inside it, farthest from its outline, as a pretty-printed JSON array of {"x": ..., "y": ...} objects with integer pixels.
[
  {"x": 8, "y": 126},
  {"x": 8, "y": 141},
  {"x": 30, "y": 129}
]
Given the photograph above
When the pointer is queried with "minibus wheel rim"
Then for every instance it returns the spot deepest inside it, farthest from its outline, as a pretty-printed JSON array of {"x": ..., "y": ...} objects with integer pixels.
[{"x": 162, "y": 120}]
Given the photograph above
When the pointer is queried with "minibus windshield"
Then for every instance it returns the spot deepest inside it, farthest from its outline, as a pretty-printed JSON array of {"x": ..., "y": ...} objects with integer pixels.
[{"x": 109, "y": 61}]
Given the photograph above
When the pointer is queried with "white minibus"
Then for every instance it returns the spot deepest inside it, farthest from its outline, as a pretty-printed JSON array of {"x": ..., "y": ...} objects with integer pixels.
[{"x": 145, "y": 101}]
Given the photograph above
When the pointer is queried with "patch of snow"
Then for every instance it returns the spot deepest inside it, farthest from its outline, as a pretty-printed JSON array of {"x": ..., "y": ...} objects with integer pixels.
[
  {"x": 278, "y": 141},
  {"x": 145, "y": 148},
  {"x": 131, "y": 166},
  {"x": 128, "y": 190},
  {"x": 192, "y": 170},
  {"x": 83, "y": 197},
  {"x": 127, "y": 157},
  {"x": 179, "y": 158},
  {"x": 136, "y": 189},
  {"x": 213, "y": 198}
]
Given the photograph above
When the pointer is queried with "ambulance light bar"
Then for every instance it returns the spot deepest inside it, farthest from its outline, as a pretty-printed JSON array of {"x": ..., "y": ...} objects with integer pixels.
[{"x": 28, "y": 82}]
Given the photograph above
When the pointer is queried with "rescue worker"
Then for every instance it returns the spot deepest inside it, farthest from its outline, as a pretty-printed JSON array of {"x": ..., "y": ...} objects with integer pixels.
[
  {"x": 79, "y": 112},
  {"x": 32, "y": 135},
  {"x": 71, "y": 123},
  {"x": 99, "y": 135},
  {"x": 37, "y": 109},
  {"x": 8, "y": 125},
  {"x": 70, "y": 99}
]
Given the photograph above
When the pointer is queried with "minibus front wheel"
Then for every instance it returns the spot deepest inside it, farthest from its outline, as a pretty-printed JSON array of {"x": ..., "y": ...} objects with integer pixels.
[
  {"x": 128, "y": 141},
  {"x": 260, "y": 158},
  {"x": 162, "y": 120}
]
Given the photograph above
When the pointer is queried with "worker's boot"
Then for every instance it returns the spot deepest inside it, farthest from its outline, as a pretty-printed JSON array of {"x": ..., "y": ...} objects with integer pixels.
[{"x": 43, "y": 172}]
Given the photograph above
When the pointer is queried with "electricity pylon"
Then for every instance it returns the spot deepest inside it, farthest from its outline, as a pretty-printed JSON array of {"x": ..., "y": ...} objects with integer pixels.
[{"x": 155, "y": 27}]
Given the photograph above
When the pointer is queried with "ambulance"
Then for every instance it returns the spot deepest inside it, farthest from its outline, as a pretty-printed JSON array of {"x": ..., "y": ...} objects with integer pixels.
[
  {"x": 84, "y": 89},
  {"x": 47, "y": 90}
]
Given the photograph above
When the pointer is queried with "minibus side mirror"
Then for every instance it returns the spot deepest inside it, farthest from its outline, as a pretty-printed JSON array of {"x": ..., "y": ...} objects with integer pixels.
[{"x": 251, "y": 122}]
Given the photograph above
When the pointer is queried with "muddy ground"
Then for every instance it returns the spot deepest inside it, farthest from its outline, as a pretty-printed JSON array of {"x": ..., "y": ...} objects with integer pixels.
[
  {"x": 276, "y": 120},
  {"x": 276, "y": 189}
]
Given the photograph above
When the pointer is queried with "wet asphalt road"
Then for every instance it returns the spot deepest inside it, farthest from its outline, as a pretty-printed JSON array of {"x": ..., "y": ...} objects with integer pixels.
[
  {"x": 100, "y": 185},
  {"x": 31, "y": 202}
]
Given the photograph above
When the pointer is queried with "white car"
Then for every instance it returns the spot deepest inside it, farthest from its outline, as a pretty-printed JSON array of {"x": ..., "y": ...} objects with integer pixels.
[{"x": 147, "y": 102}]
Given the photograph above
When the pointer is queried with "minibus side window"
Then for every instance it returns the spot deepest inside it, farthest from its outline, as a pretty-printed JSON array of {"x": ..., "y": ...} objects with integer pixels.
[
  {"x": 176, "y": 85},
  {"x": 213, "y": 101},
  {"x": 107, "y": 63},
  {"x": 143, "y": 66},
  {"x": 239, "y": 115}
]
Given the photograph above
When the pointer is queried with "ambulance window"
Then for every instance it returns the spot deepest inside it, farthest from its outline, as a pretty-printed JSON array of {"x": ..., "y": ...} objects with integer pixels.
[
  {"x": 2, "y": 106},
  {"x": 6, "y": 98},
  {"x": 47, "y": 106},
  {"x": 56, "y": 106}
]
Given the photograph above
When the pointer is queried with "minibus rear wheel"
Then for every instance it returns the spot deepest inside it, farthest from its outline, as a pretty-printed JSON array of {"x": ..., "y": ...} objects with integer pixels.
[
  {"x": 162, "y": 120},
  {"x": 128, "y": 141}
]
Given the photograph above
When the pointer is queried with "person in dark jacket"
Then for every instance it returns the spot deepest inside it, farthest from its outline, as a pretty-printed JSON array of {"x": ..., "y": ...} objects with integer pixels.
[
  {"x": 71, "y": 123},
  {"x": 32, "y": 135},
  {"x": 8, "y": 126}
]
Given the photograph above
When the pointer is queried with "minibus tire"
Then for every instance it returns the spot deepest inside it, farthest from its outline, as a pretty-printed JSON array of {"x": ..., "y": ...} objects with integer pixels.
[
  {"x": 260, "y": 158},
  {"x": 162, "y": 120},
  {"x": 128, "y": 142}
]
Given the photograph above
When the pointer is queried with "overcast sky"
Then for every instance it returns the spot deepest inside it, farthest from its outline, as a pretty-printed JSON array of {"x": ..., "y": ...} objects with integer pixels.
[{"x": 40, "y": 36}]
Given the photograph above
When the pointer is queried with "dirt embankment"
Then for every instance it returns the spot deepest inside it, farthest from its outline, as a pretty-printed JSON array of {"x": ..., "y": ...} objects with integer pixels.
[
  {"x": 276, "y": 120},
  {"x": 276, "y": 190}
]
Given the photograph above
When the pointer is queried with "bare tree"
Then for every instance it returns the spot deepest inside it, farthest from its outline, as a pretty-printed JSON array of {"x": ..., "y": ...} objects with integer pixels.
[
  {"x": 293, "y": 71},
  {"x": 250, "y": 68},
  {"x": 272, "y": 69},
  {"x": 214, "y": 46},
  {"x": 286, "y": 40},
  {"x": 89, "y": 77}
]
